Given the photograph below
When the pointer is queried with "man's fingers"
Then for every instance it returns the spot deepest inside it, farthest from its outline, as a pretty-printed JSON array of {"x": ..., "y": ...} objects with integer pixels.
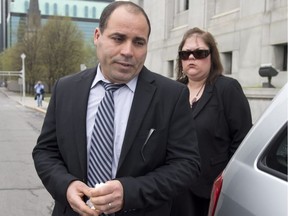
[
  {"x": 108, "y": 197},
  {"x": 75, "y": 194}
]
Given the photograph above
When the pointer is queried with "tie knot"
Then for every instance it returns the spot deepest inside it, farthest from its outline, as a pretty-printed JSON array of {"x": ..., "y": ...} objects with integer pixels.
[{"x": 111, "y": 86}]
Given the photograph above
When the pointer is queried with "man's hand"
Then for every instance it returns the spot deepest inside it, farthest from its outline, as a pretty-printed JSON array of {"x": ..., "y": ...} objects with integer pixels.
[
  {"x": 75, "y": 193},
  {"x": 107, "y": 198}
]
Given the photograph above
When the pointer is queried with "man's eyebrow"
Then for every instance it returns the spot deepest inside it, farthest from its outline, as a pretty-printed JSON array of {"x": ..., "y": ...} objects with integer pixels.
[
  {"x": 118, "y": 34},
  {"x": 140, "y": 38},
  {"x": 137, "y": 38}
]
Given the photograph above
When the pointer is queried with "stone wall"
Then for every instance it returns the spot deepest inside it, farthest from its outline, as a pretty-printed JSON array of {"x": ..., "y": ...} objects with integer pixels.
[{"x": 259, "y": 99}]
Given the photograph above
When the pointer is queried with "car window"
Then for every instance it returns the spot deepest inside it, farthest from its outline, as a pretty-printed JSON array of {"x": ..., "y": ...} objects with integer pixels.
[{"x": 274, "y": 159}]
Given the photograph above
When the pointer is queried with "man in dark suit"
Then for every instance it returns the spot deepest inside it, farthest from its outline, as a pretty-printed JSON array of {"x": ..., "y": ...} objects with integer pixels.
[{"x": 155, "y": 151}]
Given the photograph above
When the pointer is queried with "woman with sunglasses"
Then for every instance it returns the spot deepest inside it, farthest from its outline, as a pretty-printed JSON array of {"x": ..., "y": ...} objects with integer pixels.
[{"x": 221, "y": 113}]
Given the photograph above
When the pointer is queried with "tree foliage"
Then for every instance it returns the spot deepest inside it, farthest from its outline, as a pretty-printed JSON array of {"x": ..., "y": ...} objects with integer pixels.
[
  {"x": 90, "y": 55},
  {"x": 31, "y": 45},
  {"x": 62, "y": 48},
  {"x": 52, "y": 51},
  {"x": 10, "y": 60}
]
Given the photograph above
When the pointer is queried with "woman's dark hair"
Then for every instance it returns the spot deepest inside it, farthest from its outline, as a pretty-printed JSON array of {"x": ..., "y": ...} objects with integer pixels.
[
  {"x": 216, "y": 65},
  {"x": 132, "y": 7}
]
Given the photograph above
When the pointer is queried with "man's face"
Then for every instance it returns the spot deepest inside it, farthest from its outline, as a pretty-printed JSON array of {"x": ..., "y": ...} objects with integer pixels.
[{"x": 122, "y": 47}]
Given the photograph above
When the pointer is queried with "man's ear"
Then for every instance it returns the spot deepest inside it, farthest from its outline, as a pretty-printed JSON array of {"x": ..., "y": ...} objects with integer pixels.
[{"x": 96, "y": 35}]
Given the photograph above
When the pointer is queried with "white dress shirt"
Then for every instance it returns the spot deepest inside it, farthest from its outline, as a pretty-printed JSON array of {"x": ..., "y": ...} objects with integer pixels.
[{"x": 123, "y": 98}]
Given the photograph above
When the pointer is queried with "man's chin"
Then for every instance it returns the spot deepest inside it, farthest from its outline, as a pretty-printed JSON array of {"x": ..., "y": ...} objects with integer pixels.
[{"x": 122, "y": 77}]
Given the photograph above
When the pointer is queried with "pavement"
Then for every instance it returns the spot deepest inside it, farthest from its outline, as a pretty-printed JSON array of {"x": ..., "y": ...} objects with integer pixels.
[
  {"x": 27, "y": 101},
  {"x": 21, "y": 190}
]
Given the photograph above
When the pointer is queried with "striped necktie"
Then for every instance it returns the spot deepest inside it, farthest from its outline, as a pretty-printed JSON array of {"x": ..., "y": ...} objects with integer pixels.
[{"x": 101, "y": 151}]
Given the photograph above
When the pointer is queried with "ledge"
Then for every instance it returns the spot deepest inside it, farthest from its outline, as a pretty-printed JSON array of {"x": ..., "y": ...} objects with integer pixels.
[{"x": 260, "y": 93}]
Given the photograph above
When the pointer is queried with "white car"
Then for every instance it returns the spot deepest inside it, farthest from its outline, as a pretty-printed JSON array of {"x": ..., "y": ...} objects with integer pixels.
[{"x": 255, "y": 180}]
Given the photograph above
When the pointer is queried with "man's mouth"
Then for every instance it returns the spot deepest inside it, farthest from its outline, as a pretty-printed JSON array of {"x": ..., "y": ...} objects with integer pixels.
[{"x": 125, "y": 64}]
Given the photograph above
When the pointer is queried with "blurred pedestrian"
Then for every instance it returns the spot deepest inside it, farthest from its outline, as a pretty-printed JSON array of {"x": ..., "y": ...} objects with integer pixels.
[{"x": 39, "y": 93}]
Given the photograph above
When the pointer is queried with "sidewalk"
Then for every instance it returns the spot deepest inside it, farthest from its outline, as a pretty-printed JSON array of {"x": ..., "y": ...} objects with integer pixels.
[{"x": 28, "y": 101}]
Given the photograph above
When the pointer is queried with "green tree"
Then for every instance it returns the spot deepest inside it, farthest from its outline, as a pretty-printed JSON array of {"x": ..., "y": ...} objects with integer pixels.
[
  {"x": 53, "y": 51},
  {"x": 90, "y": 55},
  {"x": 62, "y": 49},
  {"x": 10, "y": 59},
  {"x": 31, "y": 44}
]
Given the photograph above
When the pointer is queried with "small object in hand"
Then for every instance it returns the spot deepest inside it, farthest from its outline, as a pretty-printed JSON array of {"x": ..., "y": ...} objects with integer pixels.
[{"x": 89, "y": 203}]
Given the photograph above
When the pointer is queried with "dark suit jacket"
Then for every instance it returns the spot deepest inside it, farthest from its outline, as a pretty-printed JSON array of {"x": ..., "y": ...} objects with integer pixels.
[
  {"x": 150, "y": 174},
  {"x": 223, "y": 119}
]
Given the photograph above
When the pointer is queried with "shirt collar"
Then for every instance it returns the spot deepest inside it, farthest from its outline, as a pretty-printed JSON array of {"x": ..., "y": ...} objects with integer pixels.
[{"x": 99, "y": 76}]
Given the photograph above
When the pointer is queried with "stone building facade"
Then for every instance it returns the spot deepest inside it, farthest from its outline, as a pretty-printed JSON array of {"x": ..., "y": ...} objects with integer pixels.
[{"x": 249, "y": 34}]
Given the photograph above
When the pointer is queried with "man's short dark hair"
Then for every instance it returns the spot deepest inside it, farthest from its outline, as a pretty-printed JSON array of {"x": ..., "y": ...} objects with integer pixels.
[{"x": 108, "y": 10}]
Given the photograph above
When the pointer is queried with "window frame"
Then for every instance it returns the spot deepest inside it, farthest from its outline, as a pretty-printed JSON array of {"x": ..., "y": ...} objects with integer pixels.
[{"x": 272, "y": 149}]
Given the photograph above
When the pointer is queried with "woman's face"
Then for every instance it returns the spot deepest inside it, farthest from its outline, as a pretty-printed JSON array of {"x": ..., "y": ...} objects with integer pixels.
[{"x": 196, "y": 69}]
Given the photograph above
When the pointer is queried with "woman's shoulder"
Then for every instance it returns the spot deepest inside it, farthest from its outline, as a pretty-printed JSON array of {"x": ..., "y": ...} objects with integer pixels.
[
  {"x": 227, "y": 85},
  {"x": 225, "y": 81}
]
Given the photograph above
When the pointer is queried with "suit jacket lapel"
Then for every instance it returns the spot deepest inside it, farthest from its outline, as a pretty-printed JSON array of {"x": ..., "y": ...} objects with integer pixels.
[
  {"x": 81, "y": 94},
  {"x": 207, "y": 94},
  {"x": 143, "y": 95}
]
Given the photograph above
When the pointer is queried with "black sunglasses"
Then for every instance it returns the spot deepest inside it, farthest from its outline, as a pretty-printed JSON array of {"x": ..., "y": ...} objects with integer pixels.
[{"x": 198, "y": 54}]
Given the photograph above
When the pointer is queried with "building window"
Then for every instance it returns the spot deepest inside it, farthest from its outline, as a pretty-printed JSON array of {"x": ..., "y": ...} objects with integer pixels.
[
  {"x": 280, "y": 55},
  {"x": 170, "y": 69},
  {"x": 182, "y": 5},
  {"x": 66, "y": 10},
  {"x": 55, "y": 9},
  {"x": 86, "y": 12},
  {"x": 26, "y": 5},
  {"x": 94, "y": 12},
  {"x": 75, "y": 11},
  {"x": 47, "y": 11},
  {"x": 186, "y": 7},
  {"x": 227, "y": 62}
]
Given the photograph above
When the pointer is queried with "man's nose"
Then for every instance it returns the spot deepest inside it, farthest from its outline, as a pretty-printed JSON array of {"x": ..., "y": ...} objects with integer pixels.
[{"x": 127, "y": 49}]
